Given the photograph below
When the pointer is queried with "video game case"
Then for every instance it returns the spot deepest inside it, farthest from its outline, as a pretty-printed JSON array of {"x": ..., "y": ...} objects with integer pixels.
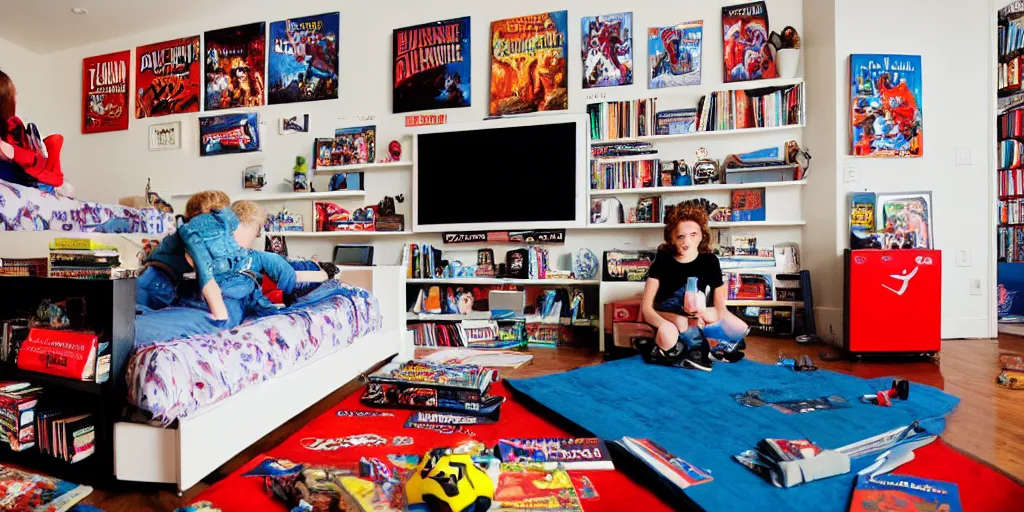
[{"x": 80, "y": 438}]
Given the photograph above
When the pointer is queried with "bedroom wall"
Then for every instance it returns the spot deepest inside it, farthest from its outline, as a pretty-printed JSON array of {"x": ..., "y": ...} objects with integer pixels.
[
  {"x": 27, "y": 70},
  {"x": 111, "y": 165}
]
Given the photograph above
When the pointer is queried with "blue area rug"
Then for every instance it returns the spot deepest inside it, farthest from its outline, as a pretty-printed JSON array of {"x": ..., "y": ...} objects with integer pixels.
[{"x": 693, "y": 415}]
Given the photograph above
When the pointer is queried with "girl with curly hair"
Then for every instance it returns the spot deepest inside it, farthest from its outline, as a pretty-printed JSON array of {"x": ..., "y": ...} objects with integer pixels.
[{"x": 684, "y": 297}]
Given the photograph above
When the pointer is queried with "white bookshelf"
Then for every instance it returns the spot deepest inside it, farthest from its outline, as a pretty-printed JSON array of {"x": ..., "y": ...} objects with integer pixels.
[
  {"x": 381, "y": 166},
  {"x": 721, "y": 225},
  {"x": 337, "y": 234},
  {"x": 502, "y": 280},
  {"x": 695, "y": 188}
]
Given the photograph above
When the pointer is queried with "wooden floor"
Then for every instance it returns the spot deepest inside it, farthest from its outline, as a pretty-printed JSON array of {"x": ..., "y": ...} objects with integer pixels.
[{"x": 988, "y": 424}]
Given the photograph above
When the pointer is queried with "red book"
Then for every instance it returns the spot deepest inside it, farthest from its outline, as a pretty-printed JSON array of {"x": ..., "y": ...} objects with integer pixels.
[{"x": 61, "y": 353}]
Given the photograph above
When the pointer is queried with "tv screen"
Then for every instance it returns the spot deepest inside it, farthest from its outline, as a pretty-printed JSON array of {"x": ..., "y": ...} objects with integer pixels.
[{"x": 498, "y": 176}]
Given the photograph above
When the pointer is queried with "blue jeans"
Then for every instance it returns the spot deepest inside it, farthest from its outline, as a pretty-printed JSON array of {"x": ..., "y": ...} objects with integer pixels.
[{"x": 154, "y": 289}]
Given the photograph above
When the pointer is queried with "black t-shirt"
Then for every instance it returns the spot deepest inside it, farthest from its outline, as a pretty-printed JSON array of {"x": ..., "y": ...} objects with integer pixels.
[{"x": 672, "y": 277}]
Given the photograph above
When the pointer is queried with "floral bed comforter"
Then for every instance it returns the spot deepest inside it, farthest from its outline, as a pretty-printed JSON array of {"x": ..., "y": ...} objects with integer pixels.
[
  {"x": 31, "y": 209},
  {"x": 173, "y": 379}
]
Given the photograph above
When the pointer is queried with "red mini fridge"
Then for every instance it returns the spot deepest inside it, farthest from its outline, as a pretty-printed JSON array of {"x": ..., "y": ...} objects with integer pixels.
[{"x": 893, "y": 302}]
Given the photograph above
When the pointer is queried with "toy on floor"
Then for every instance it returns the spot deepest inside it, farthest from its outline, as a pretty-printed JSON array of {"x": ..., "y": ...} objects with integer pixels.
[
  {"x": 900, "y": 389},
  {"x": 804, "y": 363},
  {"x": 447, "y": 481}
]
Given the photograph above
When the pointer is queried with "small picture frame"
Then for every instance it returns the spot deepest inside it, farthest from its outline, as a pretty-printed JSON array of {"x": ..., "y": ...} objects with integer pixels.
[
  {"x": 294, "y": 124},
  {"x": 165, "y": 136},
  {"x": 254, "y": 178}
]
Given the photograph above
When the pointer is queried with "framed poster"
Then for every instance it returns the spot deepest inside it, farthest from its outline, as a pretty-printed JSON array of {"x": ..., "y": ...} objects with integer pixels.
[
  {"x": 904, "y": 220},
  {"x": 165, "y": 136},
  {"x": 886, "y": 118},
  {"x": 538, "y": 42},
  {"x": 303, "y": 59},
  {"x": 167, "y": 79},
  {"x": 105, "y": 92},
  {"x": 229, "y": 133},
  {"x": 674, "y": 54},
  {"x": 431, "y": 66},
  {"x": 235, "y": 58},
  {"x": 745, "y": 43},
  {"x": 607, "y": 48}
]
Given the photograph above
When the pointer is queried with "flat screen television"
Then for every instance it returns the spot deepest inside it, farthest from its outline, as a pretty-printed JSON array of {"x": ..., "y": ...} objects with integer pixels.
[{"x": 505, "y": 174}]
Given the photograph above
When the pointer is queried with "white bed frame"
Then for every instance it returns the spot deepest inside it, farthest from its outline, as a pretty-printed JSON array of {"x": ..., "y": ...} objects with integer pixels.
[{"x": 208, "y": 438}]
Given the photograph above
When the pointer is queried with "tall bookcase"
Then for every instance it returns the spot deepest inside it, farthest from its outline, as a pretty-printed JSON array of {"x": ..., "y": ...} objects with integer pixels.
[{"x": 1010, "y": 159}]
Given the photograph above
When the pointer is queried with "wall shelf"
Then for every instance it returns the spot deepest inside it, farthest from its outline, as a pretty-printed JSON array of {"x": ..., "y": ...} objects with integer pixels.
[
  {"x": 335, "y": 234},
  {"x": 503, "y": 280},
  {"x": 260, "y": 197},
  {"x": 380, "y": 166},
  {"x": 695, "y": 188},
  {"x": 707, "y": 134},
  {"x": 659, "y": 225}
]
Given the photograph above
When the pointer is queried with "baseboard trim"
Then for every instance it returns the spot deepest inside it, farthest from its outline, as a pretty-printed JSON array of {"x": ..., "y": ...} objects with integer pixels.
[
  {"x": 965, "y": 328},
  {"x": 830, "y": 325}
]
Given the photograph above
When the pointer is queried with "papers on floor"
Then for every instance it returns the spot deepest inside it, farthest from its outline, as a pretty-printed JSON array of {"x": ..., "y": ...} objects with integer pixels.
[{"x": 485, "y": 358}]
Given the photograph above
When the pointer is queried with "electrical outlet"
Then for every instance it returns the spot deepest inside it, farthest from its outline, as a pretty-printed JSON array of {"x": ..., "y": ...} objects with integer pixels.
[
  {"x": 963, "y": 155},
  {"x": 963, "y": 258},
  {"x": 975, "y": 286},
  {"x": 849, "y": 172}
]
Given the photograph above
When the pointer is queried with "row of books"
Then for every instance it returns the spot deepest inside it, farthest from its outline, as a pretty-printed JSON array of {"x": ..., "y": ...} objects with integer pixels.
[
  {"x": 82, "y": 259},
  {"x": 623, "y": 149},
  {"x": 1011, "y": 182},
  {"x": 1011, "y": 36},
  {"x": 1010, "y": 244},
  {"x": 1011, "y": 154},
  {"x": 23, "y": 267},
  {"x": 1011, "y": 124},
  {"x": 1010, "y": 211},
  {"x": 761, "y": 108},
  {"x": 615, "y": 175},
  {"x": 422, "y": 261},
  {"x": 66, "y": 436},
  {"x": 622, "y": 119},
  {"x": 430, "y": 334},
  {"x": 1009, "y": 74}
]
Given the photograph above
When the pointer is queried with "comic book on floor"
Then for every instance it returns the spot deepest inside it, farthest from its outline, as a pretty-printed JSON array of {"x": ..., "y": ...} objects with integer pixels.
[
  {"x": 900, "y": 493},
  {"x": 671, "y": 467},
  {"x": 536, "y": 487},
  {"x": 574, "y": 453},
  {"x": 21, "y": 491},
  {"x": 436, "y": 375}
]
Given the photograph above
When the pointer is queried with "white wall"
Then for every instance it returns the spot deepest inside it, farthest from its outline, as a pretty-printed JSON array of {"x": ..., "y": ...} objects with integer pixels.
[
  {"x": 28, "y": 71},
  {"x": 957, "y": 105},
  {"x": 107, "y": 166}
]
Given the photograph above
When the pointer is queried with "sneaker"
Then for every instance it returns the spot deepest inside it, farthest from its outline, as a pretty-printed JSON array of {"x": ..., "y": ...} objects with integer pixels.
[{"x": 698, "y": 360}]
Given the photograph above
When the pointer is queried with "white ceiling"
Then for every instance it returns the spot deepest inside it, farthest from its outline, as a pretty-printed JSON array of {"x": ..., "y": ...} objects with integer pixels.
[{"x": 45, "y": 26}]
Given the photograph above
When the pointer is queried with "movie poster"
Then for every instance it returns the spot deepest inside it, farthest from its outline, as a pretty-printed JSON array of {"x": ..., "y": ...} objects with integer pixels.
[
  {"x": 675, "y": 54},
  {"x": 303, "y": 59},
  {"x": 167, "y": 78},
  {"x": 745, "y": 43},
  {"x": 431, "y": 66},
  {"x": 607, "y": 50},
  {"x": 885, "y": 106},
  {"x": 528, "y": 66},
  {"x": 234, "y": 66},
  {"x": 105, "y": 92},
  {"x": 229, "y": 133}
]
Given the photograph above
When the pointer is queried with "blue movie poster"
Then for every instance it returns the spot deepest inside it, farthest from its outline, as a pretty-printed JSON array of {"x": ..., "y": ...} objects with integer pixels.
[
  {"x": 303, "y": 59},
  {"x": 886, "y": 118},
  {"x": 607, "y": 50},
  {"x": 675, "y": 54},
  {"x": 431, "y": 66},
  {"x": 229, "y": 133}
]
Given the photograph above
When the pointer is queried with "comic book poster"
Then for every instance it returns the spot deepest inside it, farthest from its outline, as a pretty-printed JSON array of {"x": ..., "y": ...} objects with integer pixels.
[
  {"x": 229, "y": 133},
  {"x": 432, "y": 66},
  {"x": 356, "y": 145},
  {"x": 528, "y": 66},
  {"x": 675, "y": 54},
  {"x": 167, "y": 78},
  {"x": 303, "y": 59},
  {"x": 105, "y": 92},
  {"x": 885, "y": 106},
  {"x": 234, "y": 66},
  {"x": 607, "y": 48},
  {"x": 745, "y": 43},
  {"x": 905, "y": 220}
]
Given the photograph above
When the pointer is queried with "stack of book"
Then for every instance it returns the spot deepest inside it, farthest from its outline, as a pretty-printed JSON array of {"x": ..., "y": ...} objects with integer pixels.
[
  {"x": 17, "y": 402},
  {"x": 83, "y": 259},
  {"x": 629, "y": 174},
  {"x": 23, "y": 267},
  {"x": 1010, "y": 154},
  {"x": 422, "y": 261},
  {"x": 1011, "y": 124},
  {"x": 429, "y": 334},
  {"x": 621, "y": 149},
  {"x": 444, "y": 387},
  {"x": 622, "y": 119}
]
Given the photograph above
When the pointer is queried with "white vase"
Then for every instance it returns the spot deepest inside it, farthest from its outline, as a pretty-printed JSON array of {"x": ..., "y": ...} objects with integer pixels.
[{"x": 787, "y": 61}]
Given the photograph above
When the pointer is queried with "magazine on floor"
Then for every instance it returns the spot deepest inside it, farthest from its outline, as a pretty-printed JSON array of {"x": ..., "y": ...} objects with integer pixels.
[
  {"x": 28, "y": 492},
  {"x": 574, "y": 453},
  {"x": 673, "y": 468},
  {"x": 900, "y": 493}
]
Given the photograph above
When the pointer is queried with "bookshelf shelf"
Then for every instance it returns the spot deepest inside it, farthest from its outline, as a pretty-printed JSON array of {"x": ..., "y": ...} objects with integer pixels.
[
  {"x": 335, "y": 234},
  {"x": 381, "y": 166},
  {"x": 501, "y": 280},
  {"x": 631, "y": 158},
  {"x": 290, "y": 196},
  {"x": 700, "y": 135},
  {"x": 658, "y": 225},
  {"x": 695, "y": 188}
]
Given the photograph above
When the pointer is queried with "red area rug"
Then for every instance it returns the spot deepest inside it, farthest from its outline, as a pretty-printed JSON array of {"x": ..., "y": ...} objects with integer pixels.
[
  {"x": 245, "y": 494},
  {"x": 981, "y": 487}
]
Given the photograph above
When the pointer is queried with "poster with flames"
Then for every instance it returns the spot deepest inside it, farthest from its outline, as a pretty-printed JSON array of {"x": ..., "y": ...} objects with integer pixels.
[
  {"x": 432, "y": 66},
  {"x": 234, "y": 64},
  {"x": 167, "y": 79},
  {"x": 105, "y": 92},
  {"x": 528, "y": 64},
  {"x": 745, "y": 43},
  {"x": 886, "y": 119}
]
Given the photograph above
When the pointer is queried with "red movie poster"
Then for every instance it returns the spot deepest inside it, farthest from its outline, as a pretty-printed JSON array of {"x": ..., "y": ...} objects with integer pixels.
[
  {"x": 105, "y": 92},
  {"x": 167, "y": 79}
]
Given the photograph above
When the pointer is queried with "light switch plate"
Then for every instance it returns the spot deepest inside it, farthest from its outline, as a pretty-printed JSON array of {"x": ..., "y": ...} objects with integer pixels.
[
  {"x": 849, "y": 172},
  {"x": 963, "y": 258},
  {"x": 963, "y": 155},
  {"x": 975, "y": 286}
]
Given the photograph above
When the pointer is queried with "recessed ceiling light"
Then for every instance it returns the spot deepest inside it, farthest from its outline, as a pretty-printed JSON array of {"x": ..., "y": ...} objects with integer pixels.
[{"x": 80, "y": 10}]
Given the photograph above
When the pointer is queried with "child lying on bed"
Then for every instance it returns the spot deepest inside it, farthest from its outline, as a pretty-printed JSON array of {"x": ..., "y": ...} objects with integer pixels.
[{"x": 228, "y": 272}]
